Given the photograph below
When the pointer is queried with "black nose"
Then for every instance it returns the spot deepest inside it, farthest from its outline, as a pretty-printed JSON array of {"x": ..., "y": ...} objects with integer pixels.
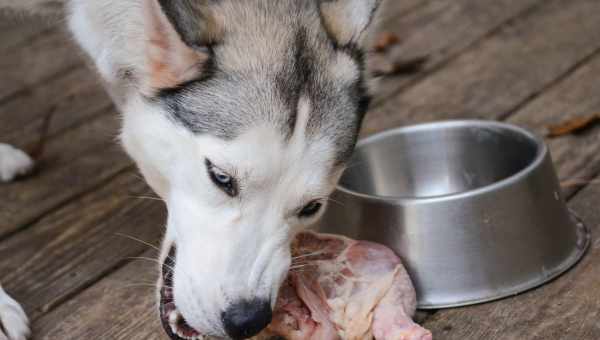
[{"x": 247, "y": 318}]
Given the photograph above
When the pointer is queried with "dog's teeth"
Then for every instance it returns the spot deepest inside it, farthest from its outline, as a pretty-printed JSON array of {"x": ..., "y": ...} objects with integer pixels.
[
  {"x": 173, "y": 329},
  {"x": 181, "y": 335},
  {"x": 173, "y": 317}
]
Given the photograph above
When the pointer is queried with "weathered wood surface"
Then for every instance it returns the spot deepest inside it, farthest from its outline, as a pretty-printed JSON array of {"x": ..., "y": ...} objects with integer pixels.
[
  {"x": 394, "y": 9},
  {"x": 533, "y": 62},
  {"x": 503, "y": 71},
  {"x": 72, "y": 163},
  {"x": 441, "y": 30},
  {"x": 577, "y": 157},
  {"x": 40, "y": 59},
  {"x": 121, "y": 306},
  {"x": 18, "y": 29},
  {"x": 74, "y": 246},
  {"x": 70, "y": 99}
]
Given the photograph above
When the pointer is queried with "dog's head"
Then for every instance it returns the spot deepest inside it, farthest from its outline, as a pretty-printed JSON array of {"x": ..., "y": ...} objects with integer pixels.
[{"x": 245, "y": 116}]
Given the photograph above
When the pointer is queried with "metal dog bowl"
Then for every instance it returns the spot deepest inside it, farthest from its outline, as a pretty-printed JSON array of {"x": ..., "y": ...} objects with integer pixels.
[{"x": 474, "y": 209}]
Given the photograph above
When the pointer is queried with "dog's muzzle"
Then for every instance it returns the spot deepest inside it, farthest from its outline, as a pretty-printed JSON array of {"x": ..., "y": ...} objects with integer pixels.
[{"x": 241, "y": 320}]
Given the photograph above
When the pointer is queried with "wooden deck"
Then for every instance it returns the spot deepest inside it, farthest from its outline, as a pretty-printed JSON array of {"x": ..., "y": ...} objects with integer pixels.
[{"x": 65, "y": 246}]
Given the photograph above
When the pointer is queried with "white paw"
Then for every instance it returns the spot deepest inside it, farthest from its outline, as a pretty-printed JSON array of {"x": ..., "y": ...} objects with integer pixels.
[
  {"x": 13, "y": 321},
  {"x": 13, "y": 163}
]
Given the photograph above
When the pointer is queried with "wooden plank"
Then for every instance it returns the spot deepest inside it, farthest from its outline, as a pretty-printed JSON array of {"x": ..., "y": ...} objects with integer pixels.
[
  {"x": 73, "y": 163},
  {"x": 442, "y": 30},
  {"x": 70, "y": 99},
  {"x": 121, "y": 306},
  {"x": 392, "y": 10},
  {"x": 576, "y": 156},
  {"x": 502, "y": 72},
  {"x": 76, "y": 245},
  {"x": 567, "y": 308},
  {"x": 40, "y": 59},
  {"x": 16, "y": 29}
]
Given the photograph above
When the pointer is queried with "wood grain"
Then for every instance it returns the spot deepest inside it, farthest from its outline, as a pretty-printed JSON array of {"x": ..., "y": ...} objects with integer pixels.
[
  {"x": 76, "y": 245},
  {"x": 503, "y": 71},
  {"x": 17, "y": 29},
  {"x": 577, "y": 156},
  {"x": 390, "y": 10},
  {"x": 117, "y": 307},
  {"x": 71, "y": 98},
  {"x": 73, "y": 163},
  {"x": 442, "y": 30},
  {"x": 42, "y": 58}
]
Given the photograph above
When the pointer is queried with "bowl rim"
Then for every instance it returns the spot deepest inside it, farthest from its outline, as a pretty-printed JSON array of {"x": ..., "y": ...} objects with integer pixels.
[{"x": 541, "y": 154}]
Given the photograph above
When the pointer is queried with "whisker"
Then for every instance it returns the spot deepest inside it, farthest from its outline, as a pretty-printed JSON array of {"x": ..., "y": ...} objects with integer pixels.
[
  {"x": 302, "y": 266},
  {"x": 316, "y": 253},
  {"x": 354, "y": 164},
  {"x": 153, "y": 284},
  {"x": 299, "y": 270},
  {"x": 146, "y": 259},
  {"x": 148, "y": 198},
  {"x": 138, "y": 240},
  {"x": 335, "y": 201},
  {"x": 137, "y": 285},
  {"x": 577, "y": 182}
]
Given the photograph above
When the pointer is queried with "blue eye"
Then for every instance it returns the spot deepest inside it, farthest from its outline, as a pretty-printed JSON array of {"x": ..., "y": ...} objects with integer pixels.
[
  {"x": 310, "y": 209},
  {"x": 221, "y": 179}
]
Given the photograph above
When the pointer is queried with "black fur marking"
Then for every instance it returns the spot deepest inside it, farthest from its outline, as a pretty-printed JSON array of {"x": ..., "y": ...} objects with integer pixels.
[
  {"x": 190, "y": 19},
  {"x": 226, "y": 103},
  {"x": 291, "y": 81}
]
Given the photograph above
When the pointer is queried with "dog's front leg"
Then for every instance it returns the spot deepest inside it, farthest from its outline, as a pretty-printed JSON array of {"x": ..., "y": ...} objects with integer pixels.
[
  {"x": 13, "y": 321},
  {"x": 13, "y": 163}
]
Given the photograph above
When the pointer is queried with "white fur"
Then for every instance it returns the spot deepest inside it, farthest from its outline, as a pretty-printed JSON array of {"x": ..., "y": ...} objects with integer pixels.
[
  {"x": 13, "y": 163},
  {"x": 12, "y": 318},
  {"x": 228, "y": 248}
]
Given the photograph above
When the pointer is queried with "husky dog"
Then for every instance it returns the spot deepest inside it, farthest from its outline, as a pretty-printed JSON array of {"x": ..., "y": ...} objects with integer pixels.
[{"x": 241, "y": 115}]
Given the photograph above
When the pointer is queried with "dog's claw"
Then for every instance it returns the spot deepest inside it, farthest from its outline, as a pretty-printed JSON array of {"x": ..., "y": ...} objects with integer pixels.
[
  {"x": 14, "y": 324},
  {"x": 13, "y": 163}
]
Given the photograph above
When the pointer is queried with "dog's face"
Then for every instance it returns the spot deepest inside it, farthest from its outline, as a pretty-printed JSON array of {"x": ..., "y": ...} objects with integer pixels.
[{"x": 242, "y": 122}]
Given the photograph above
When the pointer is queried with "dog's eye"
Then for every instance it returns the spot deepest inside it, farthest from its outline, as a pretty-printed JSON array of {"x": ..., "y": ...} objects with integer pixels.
[
  {"x": 310, "y": 209},
  {"x": 222, "y": 180}
]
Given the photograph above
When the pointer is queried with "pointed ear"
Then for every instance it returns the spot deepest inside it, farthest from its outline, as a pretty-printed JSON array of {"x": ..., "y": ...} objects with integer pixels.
[
  {"x": 347, "y": 21},
  {"x": 177, "y": 33}
]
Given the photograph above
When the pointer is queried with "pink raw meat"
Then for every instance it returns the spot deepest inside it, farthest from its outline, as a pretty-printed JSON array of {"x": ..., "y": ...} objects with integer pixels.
[{"x": 344, "y": 289}]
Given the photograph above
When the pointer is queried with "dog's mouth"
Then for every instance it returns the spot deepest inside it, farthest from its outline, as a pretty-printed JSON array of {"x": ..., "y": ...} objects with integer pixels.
[{"x": 172, "y": 320}]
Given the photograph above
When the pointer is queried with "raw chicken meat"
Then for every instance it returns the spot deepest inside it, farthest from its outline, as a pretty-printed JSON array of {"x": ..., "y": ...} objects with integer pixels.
[{"x": 341, "y": 289}]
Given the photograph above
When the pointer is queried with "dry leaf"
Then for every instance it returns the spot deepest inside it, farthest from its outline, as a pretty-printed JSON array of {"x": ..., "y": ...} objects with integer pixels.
[
  {"x": 573, "y": 125},
  {"x": 385, "y": 67},
  {"x": 384, "y": 41}
]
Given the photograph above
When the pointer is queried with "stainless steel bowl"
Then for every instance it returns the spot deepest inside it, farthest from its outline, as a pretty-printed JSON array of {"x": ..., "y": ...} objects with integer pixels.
[{"x": 474, "y": 209}]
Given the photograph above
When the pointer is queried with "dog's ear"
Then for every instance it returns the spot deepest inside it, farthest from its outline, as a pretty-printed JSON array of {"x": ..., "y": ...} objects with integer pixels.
[
  {"x": 347, "y": 21},
  {"x": 177, "y": 35}
]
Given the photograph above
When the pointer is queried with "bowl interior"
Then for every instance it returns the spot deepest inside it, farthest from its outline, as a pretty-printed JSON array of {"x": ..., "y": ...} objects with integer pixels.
[{"x": 437, "y": 160}]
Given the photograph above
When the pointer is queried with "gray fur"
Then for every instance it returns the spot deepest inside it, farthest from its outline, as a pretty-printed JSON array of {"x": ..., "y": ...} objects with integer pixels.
[{"x": 270, "y": 54}]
